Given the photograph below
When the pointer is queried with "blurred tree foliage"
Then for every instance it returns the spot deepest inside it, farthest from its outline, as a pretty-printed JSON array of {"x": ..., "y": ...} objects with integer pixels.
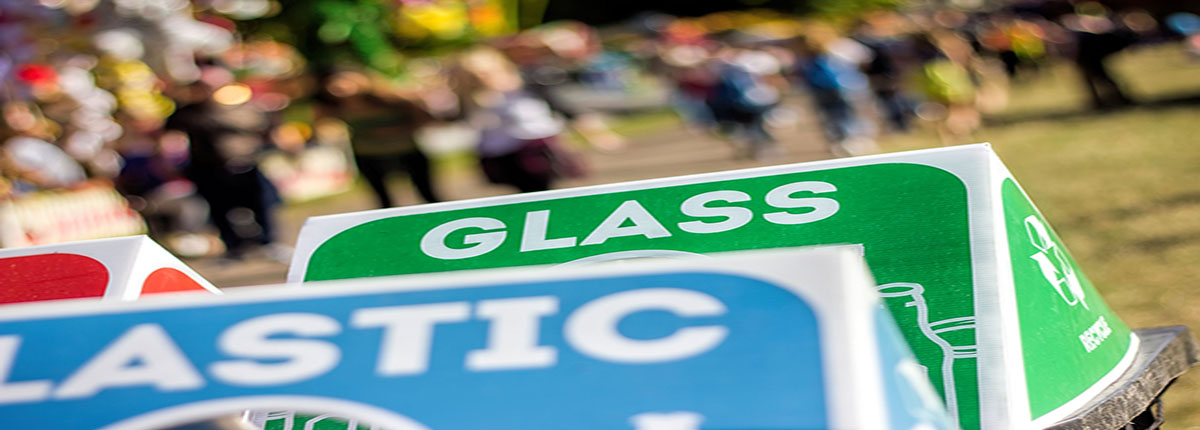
[
  {"x": 844, "y": 9},
  {"x": 331, "y": 32},
  {"x": 619, "y": 10},
  {"x": 378, "y": 33}
]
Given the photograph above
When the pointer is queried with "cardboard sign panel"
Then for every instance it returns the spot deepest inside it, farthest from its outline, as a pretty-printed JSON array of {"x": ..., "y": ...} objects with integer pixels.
[
  {"x": 115, "y": 269},
  {"x": 985, "y": 293},
  {"x": 776, "y": 340}
]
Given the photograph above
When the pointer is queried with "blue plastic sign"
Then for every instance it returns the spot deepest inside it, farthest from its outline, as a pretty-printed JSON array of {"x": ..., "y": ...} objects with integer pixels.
[{"x": 652, "y": 345}]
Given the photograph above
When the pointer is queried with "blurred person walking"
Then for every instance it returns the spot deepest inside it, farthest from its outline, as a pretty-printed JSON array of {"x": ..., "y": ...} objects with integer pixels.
[
  {"x": 150, "y": 179},
  {"x": 224, "y": 140},
  {"x": 830, "y": 67},
  {"x": 887, "y": 68},
  {"x": 1017, "y": 43},
  {"x": 1096, "y": 39},
  {"x": 949, "y": 85},
  {"x": 748, "y": 85},
  {"x": 690, "y": 70},
  {"x": 518, "y": 132},
  {"x": 543, "y": 63},
  {"x": 383, "y": 135}
]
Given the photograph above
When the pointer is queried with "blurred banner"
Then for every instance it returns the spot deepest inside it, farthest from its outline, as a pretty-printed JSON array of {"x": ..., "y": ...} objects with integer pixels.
[{"x": 92, "y": 212}]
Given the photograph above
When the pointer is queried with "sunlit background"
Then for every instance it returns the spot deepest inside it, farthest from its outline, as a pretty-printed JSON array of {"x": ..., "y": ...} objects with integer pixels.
[{"x": 218, "y": 126}]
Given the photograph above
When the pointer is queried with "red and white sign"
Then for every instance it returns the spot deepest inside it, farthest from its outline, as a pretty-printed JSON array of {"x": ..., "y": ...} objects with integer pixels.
[{"x": 122, "y": 268}]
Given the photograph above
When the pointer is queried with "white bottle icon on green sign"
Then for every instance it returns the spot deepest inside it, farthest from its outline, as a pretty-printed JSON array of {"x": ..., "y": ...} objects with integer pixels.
[{"x": 955, "y": 337}]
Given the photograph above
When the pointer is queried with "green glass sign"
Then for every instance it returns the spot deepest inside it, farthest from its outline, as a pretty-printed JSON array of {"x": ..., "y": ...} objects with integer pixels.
[
  {"x": 1069, "y": 337},
  {"x": 924, "y": 221}
]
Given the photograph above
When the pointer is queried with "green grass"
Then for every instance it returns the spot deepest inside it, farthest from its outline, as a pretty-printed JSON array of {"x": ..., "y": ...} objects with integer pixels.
[
  {"x": 1122, "y": 188},
  {"x": 644, "y": 122}
]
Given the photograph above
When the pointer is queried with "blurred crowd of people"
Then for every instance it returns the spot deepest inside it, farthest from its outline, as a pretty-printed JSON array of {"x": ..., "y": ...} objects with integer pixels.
[
  {"x": 178, "y": 114},
  {"x": 888, "y": 68}
]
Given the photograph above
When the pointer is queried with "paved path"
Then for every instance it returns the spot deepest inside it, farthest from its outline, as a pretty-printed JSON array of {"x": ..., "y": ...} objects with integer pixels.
[{"x": 669, "y": 152}]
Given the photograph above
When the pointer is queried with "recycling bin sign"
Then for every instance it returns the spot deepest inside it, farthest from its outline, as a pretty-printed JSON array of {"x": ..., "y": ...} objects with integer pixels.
[
  {"x": 122, "y": 268},
  {"x": 769, "y": 340},
  {"x": 985, "y": 293}
]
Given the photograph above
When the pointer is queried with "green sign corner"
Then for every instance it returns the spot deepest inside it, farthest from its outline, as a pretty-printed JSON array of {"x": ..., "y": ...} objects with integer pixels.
[{"x": 1069, "y": 337}]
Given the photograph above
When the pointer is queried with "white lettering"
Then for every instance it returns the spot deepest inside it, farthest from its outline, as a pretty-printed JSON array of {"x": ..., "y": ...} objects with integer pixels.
[
  {"x": 644, "y": 224},
  {"x": 1094, "y": 335},
  {"x": 592, "y": 329},
  {"x": 302, "y": 358},
  {"x": 781, "y": 197},
  {"x": 143, "y": 355},
  {"x": 513, "y": 334},
  {"x": 408, "y": 333},
  {"x": 734, "y": 216},
  {"x": 18, "y": 392},
  {"x": 533, "y": 237},
  {"x": 434, "y": 245}
]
